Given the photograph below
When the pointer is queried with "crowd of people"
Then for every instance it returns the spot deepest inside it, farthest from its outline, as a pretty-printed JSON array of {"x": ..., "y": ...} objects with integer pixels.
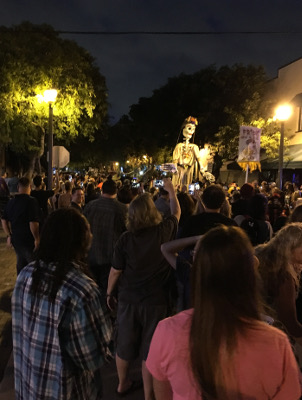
[{"x": 202, "y": 287}]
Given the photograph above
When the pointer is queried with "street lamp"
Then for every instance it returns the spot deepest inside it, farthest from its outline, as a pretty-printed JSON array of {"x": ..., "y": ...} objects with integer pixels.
[
  {"x": 50, "y": 97},
  {"x": 283, "y": 112}
]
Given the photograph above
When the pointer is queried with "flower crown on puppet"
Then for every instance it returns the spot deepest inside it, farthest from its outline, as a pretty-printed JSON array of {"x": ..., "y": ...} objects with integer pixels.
[{"x": 191, "y": 120}]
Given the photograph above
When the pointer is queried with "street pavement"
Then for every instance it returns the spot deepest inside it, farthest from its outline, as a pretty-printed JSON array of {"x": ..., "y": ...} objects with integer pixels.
[{"x": 7, "y": 281}]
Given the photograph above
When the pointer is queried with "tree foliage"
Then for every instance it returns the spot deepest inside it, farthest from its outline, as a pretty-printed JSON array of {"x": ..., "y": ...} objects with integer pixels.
[
  {"x": 270, "y": 137},
  {"x": 34, "y": 58},
  {"x": 222, "y": 100}
]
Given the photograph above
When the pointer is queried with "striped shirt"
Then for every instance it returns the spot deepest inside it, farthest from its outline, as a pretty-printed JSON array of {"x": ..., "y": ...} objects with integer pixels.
[{"x": 59, "y": 346}]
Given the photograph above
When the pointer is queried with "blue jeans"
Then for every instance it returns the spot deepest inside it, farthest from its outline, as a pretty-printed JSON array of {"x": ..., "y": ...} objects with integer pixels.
[{"x": 24, "y": 256}]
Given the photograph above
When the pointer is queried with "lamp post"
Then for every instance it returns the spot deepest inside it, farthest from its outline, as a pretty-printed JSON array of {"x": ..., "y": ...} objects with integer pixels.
[
  {"x": 282, "y": 114},
  {"x": 50, "y": 97}
]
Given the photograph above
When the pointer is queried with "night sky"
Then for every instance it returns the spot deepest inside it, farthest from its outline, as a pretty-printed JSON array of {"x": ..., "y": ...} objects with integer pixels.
[{"x": 135, "y": 65}]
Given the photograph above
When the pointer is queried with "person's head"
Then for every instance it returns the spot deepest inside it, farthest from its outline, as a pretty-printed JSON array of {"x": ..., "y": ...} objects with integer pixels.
[
  {"x": 188, "y": 127},
  {"x": 186, "y": 203},
  {"x": 281, "y": 258},
  {"x": 65, "y": 237},
  {"x": 257, "y": 207},
  {"x": 163, "y": 193},
  {"x": 224, "y": 272},
  {"x": 24, "y": 185},
  {"x": 124, "y": 195},
  {"x": 296, "y": 215},
  {"x": 90, "y": 190},
  {"x": 213, "y": 197},
  {"x": 247, "y": 191},
  {"x": 289, "y": 187},
  {"x": 226, "y": 301},
  {"x": 68, "y": 186},
  {"x": 142, "y": 213},
  {"x": 77, "y": 195},
  {"x": 37, "y": 181},
  {"x": 109, "y": 187}
]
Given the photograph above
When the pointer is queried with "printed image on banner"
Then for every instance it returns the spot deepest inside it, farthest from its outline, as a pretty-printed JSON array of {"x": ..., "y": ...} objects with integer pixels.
[{"x": 249, "y": 144}]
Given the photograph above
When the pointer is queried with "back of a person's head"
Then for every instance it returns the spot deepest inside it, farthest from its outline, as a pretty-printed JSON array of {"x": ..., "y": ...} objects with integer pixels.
[
  {"x": 124, "y": 195},
  {"x": 65, "y": 237},
  {"x": 75, "y": 189},
  {"x": 162, "y": 192},
  {"x": 90, "y": 190},
  {"x": 247, "y": 191},
  {"x": 109, "y": 186},
  {"x": 24, "y": 182},
  {"x": 226, "y": 302},
  {"x": 37, "y": 180},
  {"x": 288, "y": 238},
  {"x": 296, "y": 215},
  {"x": 68, "y": 186},
  {"x": 213, "y": 197},
  {"x": 186, "y": 203},
  {"x": 276, "y": 257},
  {"x": 224, "y": 270},
  {"x": 257, "y": 207},
  {"x": 142, "y": 213}
]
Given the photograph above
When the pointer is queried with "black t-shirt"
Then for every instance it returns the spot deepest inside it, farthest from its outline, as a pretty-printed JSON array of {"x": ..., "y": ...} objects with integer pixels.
[
  {"x": 20, "y": 211},
  {"x": 146, "y": 274},
  {"x": 42, "y": 196},
  {"x": 201, "y": 223}
]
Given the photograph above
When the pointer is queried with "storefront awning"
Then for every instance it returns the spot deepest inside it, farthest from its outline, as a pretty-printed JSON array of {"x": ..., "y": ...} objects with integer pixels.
[{"x": 292, "y": 158}]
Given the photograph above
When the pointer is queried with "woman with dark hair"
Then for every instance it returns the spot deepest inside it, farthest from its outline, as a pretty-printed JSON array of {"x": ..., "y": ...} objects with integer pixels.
[
  {"x": 91, "y": 193},
  {"x": 221, "y": 349},
  {"x": 258, "y": 229},
  {"x": 60, "y": 332},
  {"x": 144, "y": 280},
  {"x": 187, "y": 207}
]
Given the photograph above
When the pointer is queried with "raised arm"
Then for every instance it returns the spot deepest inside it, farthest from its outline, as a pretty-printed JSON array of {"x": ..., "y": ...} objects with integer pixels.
[
  {"x": 174, "y": 204},
  {"x": 171, "y": 249}
]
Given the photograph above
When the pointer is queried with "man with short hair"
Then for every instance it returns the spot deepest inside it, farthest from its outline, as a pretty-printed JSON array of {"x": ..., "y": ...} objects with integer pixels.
[
  {"x": 107, "y": 219},
  {"x": 20, "y": 222},
  {"x": 42, "y": 196},
  {"x": 213, "y": 198},
  {"x": 77, "y": 198}
]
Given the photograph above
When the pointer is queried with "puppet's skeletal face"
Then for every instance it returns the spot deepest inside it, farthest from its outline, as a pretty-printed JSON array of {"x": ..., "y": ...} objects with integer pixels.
[{"x": 188, "y": 131}]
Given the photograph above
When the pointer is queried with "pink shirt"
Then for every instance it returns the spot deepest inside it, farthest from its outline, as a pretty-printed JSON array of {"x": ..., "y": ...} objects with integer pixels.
[{"x": 265, "y": 366}]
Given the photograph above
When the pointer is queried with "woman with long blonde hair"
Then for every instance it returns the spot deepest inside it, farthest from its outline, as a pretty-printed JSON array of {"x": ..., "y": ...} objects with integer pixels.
[
  {"x": 144, "y": 281},
  {"x": 221, "y": 349},
  {"x": 280, "y": 268}
]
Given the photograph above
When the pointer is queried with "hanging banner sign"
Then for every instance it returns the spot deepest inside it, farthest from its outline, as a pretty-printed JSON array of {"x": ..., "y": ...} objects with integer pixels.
[
  {"x": 249, "y": 144},
  {"x": 249, "y": 147}
]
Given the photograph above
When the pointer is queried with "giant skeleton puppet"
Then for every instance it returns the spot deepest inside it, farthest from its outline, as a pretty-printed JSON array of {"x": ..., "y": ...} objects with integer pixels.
[{"x": 185, "y": 156}]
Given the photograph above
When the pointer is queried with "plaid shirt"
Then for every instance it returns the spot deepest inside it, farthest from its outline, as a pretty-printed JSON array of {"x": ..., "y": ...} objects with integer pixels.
[{"x": 59, "y": 346}]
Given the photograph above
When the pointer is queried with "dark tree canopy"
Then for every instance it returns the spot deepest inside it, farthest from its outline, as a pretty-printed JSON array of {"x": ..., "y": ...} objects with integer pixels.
[{"x": 222, "y": 100}]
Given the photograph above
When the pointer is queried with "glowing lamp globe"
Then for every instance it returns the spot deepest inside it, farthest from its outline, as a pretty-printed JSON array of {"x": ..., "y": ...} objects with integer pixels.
[
  {"x": 283, "y": 112},
  {"x": 50, "y": 95}
]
